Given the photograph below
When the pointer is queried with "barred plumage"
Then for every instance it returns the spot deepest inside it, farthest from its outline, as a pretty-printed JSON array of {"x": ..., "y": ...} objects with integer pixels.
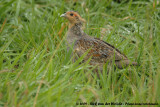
[{"x": 99, "y": 51}]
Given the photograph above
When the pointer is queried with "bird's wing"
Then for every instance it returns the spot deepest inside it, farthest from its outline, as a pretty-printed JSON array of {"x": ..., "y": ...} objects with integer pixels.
[
  {"x": 118, "y": 54},
  {"x": 98, "y": 49}
]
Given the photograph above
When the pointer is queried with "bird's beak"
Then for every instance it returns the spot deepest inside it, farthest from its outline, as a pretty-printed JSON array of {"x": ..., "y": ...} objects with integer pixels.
[{"x": 63, "y": 15}]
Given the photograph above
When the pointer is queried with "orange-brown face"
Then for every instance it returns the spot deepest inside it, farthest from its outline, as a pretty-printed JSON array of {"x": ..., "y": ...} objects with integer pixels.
[{"x": 73, "y": 17}]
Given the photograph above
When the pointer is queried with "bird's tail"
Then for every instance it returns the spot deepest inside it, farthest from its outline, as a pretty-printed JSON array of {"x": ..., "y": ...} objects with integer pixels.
[{"x": 124, "y": 63}]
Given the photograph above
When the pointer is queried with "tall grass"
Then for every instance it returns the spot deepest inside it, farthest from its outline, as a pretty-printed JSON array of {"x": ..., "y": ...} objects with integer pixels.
[{"x": 37, "y": 70}]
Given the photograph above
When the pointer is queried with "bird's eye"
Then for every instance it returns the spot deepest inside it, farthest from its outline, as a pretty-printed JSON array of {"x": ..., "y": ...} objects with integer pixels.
[{"x": 71, "y": 14}]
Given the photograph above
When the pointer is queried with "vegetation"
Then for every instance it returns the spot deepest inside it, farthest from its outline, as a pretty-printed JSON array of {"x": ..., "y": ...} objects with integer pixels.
[{"x": 37, "y": 70}]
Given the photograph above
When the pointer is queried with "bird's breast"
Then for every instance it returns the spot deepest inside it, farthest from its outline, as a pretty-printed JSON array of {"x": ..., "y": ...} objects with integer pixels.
[{"x": 71, "y": 38}]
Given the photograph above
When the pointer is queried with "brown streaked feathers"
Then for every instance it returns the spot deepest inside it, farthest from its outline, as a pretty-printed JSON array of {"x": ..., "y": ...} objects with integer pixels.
[{"x": 99, "y": 51}]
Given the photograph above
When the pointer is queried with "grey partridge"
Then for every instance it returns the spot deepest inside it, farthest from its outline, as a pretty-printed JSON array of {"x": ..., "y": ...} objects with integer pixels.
[{"x": 100, "y": 51}]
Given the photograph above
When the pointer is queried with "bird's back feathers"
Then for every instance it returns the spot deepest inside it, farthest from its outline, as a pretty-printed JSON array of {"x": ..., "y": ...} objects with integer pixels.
[{"x": 100, "y": 51}]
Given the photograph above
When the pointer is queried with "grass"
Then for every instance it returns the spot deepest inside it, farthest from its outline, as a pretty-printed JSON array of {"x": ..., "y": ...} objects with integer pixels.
[{"x": 36, "y": 69}]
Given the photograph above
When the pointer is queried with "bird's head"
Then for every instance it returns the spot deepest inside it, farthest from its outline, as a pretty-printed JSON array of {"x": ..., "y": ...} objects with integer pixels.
[{"x": 73, "y": 17}]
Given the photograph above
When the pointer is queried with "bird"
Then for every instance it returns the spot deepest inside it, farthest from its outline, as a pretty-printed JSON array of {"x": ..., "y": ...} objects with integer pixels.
[{"x": 99, "y": 51}]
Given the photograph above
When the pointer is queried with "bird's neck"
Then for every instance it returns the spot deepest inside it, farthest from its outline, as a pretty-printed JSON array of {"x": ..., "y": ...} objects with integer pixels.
[{"x": 76, "y": 29}]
